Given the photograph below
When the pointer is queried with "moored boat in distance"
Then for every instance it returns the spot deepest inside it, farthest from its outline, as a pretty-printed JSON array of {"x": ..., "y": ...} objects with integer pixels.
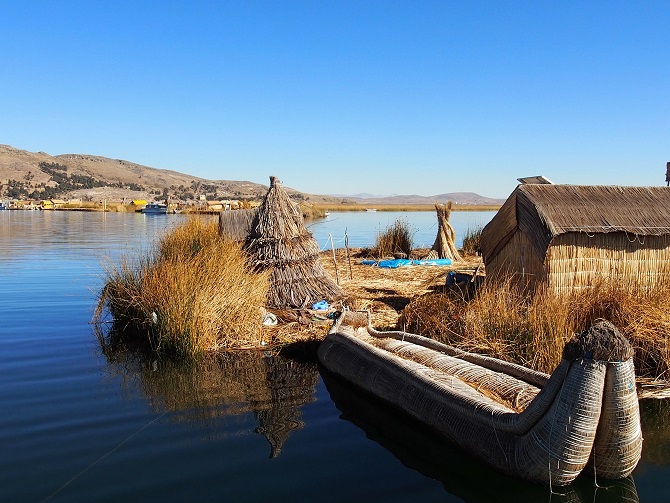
[
  {"x": 534, "y": 426},
  {"x": 155, "y": 208}
]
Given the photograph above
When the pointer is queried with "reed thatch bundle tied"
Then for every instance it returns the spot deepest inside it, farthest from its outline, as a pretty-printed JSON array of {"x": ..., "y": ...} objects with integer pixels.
[
  {"x": 278, "y": 240},
  {"x": 445, "y": 241},
  {"x": 601, "y": 341}
]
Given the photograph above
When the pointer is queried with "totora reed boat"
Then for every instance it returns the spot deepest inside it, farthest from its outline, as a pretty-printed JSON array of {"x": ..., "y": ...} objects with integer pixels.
[{"x": 538, "y": 427}]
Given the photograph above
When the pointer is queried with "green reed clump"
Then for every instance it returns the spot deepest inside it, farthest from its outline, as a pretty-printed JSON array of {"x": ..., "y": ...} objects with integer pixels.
[
  {"x": 394, "y": 240},
  {"x": 504, "y": 321},
  {"x": 193, "y": 292},
  {"x": 471, "y": 241}
]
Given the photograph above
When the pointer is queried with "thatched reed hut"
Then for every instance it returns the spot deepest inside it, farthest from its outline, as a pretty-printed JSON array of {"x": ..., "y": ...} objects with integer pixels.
[
  {"x": 570, "y": 236},
  {"x": 278, "y": 239}
]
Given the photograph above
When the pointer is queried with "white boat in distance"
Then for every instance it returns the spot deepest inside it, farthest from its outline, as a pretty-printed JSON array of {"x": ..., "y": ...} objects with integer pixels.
[{"x": 155, "y": 208}]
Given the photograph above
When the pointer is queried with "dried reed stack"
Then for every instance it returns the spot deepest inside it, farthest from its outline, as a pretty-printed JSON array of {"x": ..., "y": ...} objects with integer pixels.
[
  {"x": 445, "y": 246},
  {"x": 278, "y": 240}
]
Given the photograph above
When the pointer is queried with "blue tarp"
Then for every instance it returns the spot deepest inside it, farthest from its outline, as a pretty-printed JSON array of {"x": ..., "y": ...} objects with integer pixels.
[
  {"x": 434, "y": 261},
  {"x": 401, "y": 262}
]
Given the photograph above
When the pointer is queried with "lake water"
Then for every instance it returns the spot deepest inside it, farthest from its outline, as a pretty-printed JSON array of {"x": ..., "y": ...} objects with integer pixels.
[
  {"x": 81, "y": 422},
  {"x": 362, "y": 228}
]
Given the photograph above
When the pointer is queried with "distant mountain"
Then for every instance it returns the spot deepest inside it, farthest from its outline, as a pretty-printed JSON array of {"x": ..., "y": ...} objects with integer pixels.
[
  {"x": 465, "y": 198},
  {"x": 363, "y": 195},
  {"x": 39, "y": 175}
]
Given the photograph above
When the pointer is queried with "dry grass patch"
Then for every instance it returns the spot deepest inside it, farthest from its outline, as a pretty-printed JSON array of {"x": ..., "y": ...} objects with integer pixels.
[
  {"x": 531, "y": 330},
  {"x": 386, "y": 292},
  {"x": 193, "y": 292},
  {"x": 395, "y": 240}
]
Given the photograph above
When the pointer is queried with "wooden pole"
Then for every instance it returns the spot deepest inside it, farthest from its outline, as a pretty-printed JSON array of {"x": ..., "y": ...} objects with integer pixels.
[
  {"x": 332, "y": 245},
  {"x": 346, "y": 248}
]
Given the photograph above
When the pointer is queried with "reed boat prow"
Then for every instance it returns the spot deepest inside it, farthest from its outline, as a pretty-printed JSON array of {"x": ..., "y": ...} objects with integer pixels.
[{"x": 538, "y": 427}]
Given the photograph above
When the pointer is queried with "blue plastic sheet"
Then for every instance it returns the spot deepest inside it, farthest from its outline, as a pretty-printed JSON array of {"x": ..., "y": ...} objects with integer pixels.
[
  {"x": 322, "y": 305},
  {"x": 402, "y": 262},
  {"x": 434, "y": 261}
]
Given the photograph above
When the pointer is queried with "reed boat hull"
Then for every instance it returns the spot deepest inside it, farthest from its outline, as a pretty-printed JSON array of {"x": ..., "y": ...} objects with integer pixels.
[{"x": 548, "y": 428}]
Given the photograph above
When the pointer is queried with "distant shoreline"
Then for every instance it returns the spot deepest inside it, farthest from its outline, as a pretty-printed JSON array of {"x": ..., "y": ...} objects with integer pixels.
[{"x": 401, "y": 207}]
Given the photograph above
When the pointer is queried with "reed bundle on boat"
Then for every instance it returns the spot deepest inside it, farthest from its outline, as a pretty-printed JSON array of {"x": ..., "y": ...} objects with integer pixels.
[{"x": 279, "y": 241}]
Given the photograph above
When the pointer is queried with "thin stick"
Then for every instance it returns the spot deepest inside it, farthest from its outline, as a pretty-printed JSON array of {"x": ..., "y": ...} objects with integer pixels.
[
  {"x": 346, "y": 249},
  {"x": 332, "y": 245}
]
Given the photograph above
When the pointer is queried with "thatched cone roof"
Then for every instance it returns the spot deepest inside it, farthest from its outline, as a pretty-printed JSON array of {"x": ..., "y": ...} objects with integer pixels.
[
  {"x": 445, "y": 242},
  {"x": 279, "y": 240}
]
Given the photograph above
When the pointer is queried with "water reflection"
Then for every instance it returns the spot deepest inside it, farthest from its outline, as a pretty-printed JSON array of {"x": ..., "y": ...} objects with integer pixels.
[
  {"x": 271, "y": 387},
  {"x": 655, "y": 416},
  {"x": 461, "y": 476}
]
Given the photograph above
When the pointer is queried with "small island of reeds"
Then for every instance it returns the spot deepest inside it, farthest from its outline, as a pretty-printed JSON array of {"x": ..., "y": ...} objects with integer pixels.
[{"x": 196, "y": 291}]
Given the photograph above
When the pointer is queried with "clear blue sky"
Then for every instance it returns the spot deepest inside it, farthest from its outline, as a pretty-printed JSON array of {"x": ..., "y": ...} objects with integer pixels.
[{"x": 409, "y": 97}]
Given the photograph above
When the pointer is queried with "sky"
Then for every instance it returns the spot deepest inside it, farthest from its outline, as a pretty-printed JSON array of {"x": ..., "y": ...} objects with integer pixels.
[{"x": 346, "y": 97}]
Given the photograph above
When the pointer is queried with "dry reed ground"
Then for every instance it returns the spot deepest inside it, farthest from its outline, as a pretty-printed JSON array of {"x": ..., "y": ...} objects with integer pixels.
[
  {"x": 383, "y": 292},
  {"x": 386, "y": 292}
]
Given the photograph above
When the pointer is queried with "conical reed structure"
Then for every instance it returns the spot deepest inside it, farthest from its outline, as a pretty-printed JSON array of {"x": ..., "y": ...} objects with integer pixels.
[
  {"x": 279, "y": 240},
  {"x": 445, "y": 246}
]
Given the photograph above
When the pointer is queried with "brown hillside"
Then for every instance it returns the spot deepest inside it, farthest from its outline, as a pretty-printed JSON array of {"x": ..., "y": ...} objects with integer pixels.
[{"x": 16, "y": 164}]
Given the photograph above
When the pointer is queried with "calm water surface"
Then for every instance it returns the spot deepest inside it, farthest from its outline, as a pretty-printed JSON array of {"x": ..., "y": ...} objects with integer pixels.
[
  {"x": 83, "y": 423},
  {"x": 362, "y": 228}
]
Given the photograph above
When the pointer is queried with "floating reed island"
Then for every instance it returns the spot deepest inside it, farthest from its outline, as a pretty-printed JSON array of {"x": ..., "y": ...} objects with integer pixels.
[
  {"x": 204, "y": 288},
  {"x": 538, "y": 427}
]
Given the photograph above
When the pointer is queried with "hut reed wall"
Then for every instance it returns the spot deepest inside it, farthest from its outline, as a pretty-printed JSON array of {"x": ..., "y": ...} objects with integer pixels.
[
  {"x": 518, "y": 259},
  {"x": 236, "y": 224},
  {"x": 579, "y": 260}
]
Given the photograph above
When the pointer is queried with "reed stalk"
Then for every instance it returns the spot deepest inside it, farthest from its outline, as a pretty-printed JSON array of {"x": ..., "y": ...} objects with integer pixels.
[{"x": 471, "y": 241}]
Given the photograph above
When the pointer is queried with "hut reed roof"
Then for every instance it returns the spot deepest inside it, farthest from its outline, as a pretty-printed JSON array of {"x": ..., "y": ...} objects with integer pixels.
[
  {"x": 544, "y": 211},
  {"x": 278, "y": 239}
]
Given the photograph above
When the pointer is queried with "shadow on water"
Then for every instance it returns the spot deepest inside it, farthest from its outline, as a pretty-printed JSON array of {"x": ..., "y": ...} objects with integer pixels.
[
  {"x": 462, "y": 476},
  {"x": 214, "y": 386}
]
